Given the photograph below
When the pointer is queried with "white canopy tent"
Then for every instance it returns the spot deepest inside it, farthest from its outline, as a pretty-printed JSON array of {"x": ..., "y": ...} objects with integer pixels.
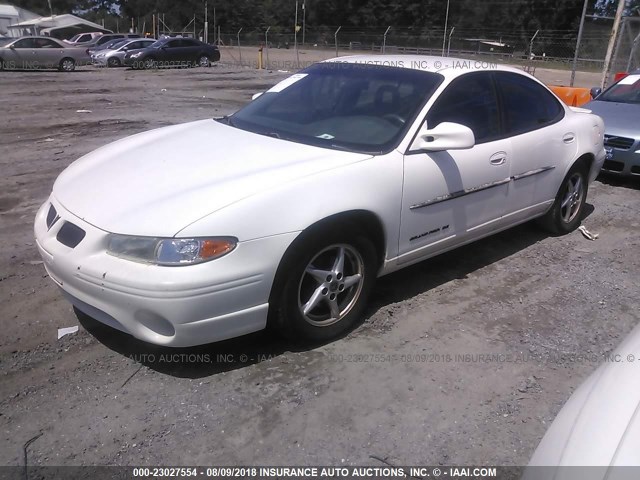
[
  {"x": 59, "y": 26},
  {"x": 10, "y": 15}
]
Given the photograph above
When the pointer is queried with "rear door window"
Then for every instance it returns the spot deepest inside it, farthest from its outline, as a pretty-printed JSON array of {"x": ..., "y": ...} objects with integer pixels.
[{"x": 526, "y": 104}]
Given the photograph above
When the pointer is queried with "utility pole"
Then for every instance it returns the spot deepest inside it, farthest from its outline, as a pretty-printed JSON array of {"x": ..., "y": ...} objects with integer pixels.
[
  {"x": 449, "y": 42},
  {"x": 335, "y": 36},
  {"x": 266, "y": 43},
  {"x": 295, "y": 37},
  {"x": 612, "y": 43},
  {"x": 206, "y": 24},
  {"x": 580, "y": 30},
  {"x": 384, "y": 39},
  {"x": 304, "y": 17},
  {"x": 446, "y": 26}
]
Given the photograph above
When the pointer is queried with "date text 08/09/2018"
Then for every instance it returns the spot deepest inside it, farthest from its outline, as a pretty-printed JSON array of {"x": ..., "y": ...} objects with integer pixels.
[{"x": 316, "y": 472}]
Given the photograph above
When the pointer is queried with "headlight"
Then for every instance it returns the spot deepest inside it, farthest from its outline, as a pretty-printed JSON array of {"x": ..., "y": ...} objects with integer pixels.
[{"x": 170, "y": 251}]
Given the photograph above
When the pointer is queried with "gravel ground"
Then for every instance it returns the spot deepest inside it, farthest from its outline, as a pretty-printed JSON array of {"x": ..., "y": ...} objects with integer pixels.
[{"x": 463, "y": 359}]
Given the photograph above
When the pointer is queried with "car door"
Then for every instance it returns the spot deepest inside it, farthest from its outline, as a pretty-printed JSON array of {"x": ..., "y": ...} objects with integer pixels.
[
  {"x": 532, "y": 117},
  {"x": 450, "y": 197},
  {"x": 191, "y": 50},
  {"x": 171, "y": 52},
  {"x": 48, "y": 53},
  {"x": 22, "y": 54}
]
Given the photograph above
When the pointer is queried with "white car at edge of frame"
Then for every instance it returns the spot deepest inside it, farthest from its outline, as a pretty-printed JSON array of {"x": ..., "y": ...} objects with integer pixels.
[
  {"x": 599, "y": 426},
  {"x": 288, "y": 210}
]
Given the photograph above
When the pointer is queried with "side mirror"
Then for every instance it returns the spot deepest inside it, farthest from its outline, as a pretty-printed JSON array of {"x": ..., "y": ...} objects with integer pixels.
[
  {"x": 595, "y": 91},
  {"x": 256, "y": 95},
  {"x": 445, "y": 136},
  {"x": 12, "y": 47}
]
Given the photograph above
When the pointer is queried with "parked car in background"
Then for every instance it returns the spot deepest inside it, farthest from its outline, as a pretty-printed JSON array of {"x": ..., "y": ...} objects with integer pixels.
[
  {"x": 83, "y": 37},
  {"x": 97, "y": 41},
  {"x": 114, "y": 57},
  {"x": 173, "y": 52},
  {"x": 619, "y": 106},
  {"x": 599, "y": 426},
  {"x": 341, "y": 173},
  {"x": 111, "y": 43},
  {"x": 41, "y": 52}
]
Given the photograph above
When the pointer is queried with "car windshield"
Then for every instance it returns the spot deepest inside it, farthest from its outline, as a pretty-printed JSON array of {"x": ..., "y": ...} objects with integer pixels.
[
  {"x": 344, "y": 106},
  {"x": 158, "y": 43},
  {"x": 113, "y": 44},
  {"x": 75, "y": 37},
  {"x": 626, "y": 90},
  {"x": 5, "y": 41}
]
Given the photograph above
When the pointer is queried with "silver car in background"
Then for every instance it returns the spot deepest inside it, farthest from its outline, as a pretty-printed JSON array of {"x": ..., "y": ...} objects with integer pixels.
[
  {"x": 30, "y": 53},
  {"x": 114, "y": 57},
  {"x": 619, "y": 107}
]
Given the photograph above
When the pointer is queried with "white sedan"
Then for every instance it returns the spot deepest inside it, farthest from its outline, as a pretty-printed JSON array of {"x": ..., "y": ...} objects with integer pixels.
[
  {"x": 288, "y": 210},
  {"x": 598, "y": 428}
]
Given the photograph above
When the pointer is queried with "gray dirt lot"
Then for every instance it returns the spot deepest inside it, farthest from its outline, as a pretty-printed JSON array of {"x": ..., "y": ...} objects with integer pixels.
[{"x": 398, "y": 388}]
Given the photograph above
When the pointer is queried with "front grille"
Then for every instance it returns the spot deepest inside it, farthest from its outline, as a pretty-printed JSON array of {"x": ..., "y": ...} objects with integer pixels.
[
  {"x": 621, "y": 143},
  {"x": 52, "y": 216},
  {"x": 613, "y": 166},
  {"x": 70, "y": 235}
]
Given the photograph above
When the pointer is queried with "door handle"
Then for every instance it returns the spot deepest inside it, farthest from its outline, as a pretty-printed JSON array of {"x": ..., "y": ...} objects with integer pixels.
[
  {"x": 498, "y": 158},
  {"x": 568, "y": 137}
]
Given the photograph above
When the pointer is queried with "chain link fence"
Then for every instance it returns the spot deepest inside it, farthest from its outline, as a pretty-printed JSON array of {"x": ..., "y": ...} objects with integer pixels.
[
  {"x": 626, "y": 56},
  {"x": 552, "y": 49}
]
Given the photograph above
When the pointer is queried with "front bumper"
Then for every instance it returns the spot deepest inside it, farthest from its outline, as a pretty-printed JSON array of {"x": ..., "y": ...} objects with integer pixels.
[
  {"x": 99, "y": 61},
  {"x": 623, "y": 161},
  {"x": 171, "y": 306}
]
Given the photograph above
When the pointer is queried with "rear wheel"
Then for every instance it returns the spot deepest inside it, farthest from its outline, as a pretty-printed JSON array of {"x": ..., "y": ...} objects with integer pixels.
[
  {"x": 566, "y": 212},
  {"x": 329, "y": 277},
  {"x": 203, "y": 61},
  {"x": 67, "y": 65}
]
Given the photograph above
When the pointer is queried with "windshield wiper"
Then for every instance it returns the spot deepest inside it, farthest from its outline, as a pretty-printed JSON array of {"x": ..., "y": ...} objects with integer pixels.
[
  {"x": 347, "y": 149},
  {"x": 226, "y": 119}
]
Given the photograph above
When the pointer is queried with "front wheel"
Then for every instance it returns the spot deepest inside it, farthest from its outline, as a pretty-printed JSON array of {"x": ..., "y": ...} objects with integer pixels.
[
  {"x": 328, "y": 280},
  {"x": 149, "y": 63},
  {"x": 566, "y": 212},
  {"x": 113, "y": 62}
]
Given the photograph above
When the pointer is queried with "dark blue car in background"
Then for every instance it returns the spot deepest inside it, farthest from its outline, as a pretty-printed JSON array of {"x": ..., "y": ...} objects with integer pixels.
[{"x": 173, "y": 52}]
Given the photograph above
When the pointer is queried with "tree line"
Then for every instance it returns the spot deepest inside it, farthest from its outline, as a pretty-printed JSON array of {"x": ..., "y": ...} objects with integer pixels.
[{"x": 511, "y": 18}]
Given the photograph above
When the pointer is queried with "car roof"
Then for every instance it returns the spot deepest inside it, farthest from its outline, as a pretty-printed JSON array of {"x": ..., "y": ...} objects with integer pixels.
[
  {"x": 37, "y": 36},
  {"x": 446, "y": 66}
]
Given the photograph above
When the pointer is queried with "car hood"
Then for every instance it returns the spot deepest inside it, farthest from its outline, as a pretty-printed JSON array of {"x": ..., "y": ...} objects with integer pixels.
[
  {"x": 158, "y": 182},
  {"x": 620, "y": 119},
  {"x": 600, "y": 423}
]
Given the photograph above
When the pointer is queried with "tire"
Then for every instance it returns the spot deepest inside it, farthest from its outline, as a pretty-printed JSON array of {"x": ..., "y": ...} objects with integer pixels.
[
  {"x": 67, "y": 65},
  {"x": 203, "y": 61},
  {"x": 113, "y": 62},
  {"x": 149, "y": 63},
  {"x": 315, "y": 298},
  {"x": 1, "y": 64},
  {"x": 565, "y": 214}
]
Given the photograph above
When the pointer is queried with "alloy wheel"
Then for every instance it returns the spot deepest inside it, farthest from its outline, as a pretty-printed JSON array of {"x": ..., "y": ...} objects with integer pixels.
[
  {"x": 573, "y": 198},
  {"x": 331, "y": 285}
]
